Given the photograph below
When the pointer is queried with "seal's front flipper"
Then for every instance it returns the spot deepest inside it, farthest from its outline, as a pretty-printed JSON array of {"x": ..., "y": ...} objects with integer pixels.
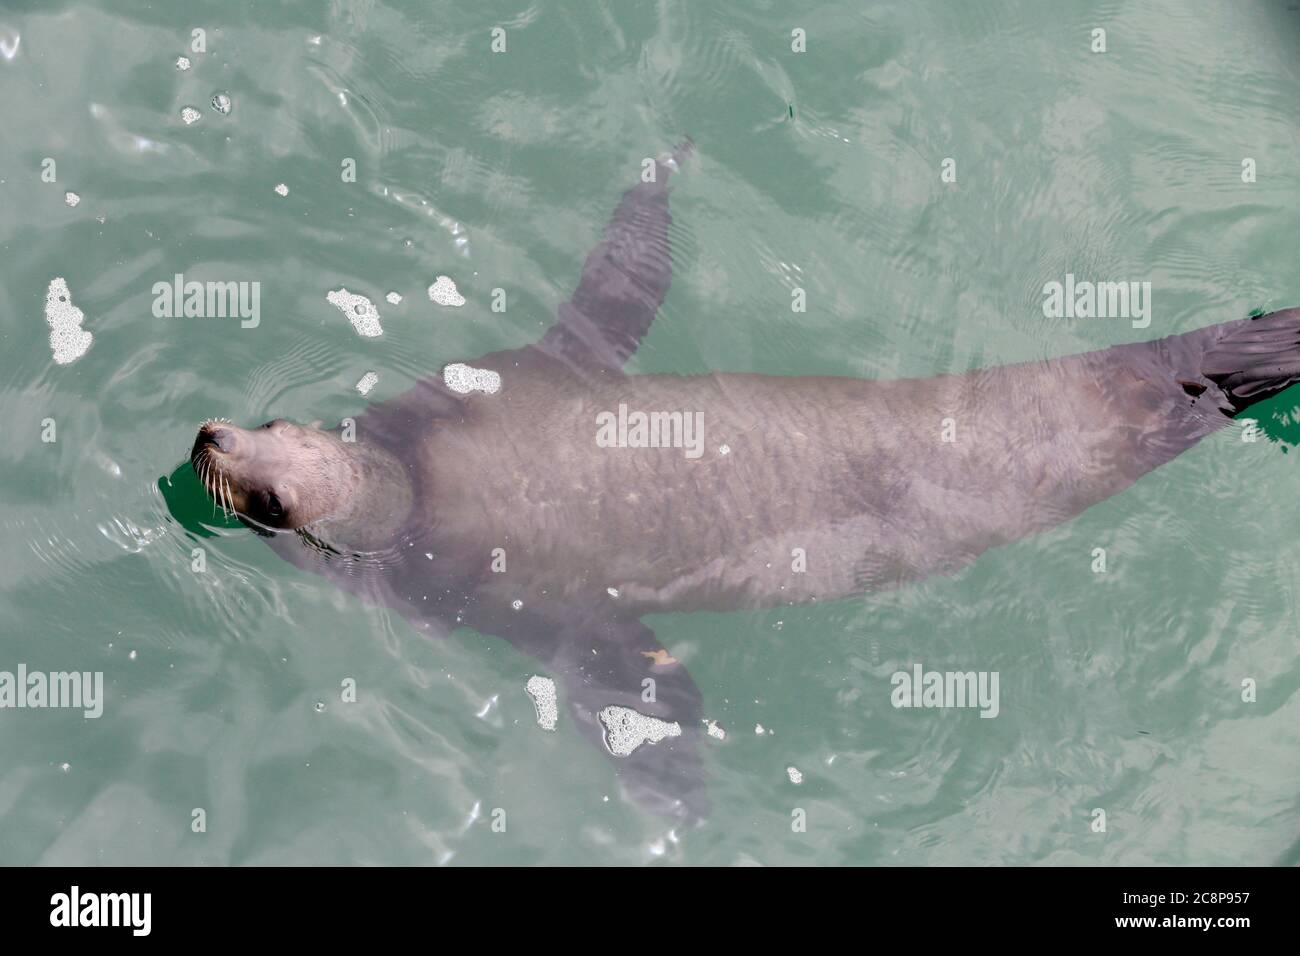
[
  {"x": 624, "y": 280},
  {"x": 632, "y": 699}
]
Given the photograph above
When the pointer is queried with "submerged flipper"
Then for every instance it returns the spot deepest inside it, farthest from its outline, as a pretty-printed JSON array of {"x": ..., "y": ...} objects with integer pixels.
[
  {"x": 610, "y": 672},
  {"x": 623, "y": 283}
]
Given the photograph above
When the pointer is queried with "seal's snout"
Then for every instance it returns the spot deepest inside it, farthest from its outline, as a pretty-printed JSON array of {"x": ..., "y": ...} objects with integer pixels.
[
  {"x": 216, "y": 435},
  {"x": 212, "y": 459}
]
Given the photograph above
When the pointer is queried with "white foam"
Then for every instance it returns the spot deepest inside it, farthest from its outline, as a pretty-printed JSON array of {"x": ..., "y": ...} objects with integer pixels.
[
  {"x": 542, "y": 691},
  {"x": 182, "y": 63},
  {"x": 71, "y": 198},
  {"x": 795, "y": 776},
  {"x": 190, "y": 115},
  {"x": 108, "y": 464},
  {"x": 68, "y": 340},
  {"x": 282, "y": 190},
  {"x": 368, "y": 381},
  {"x": 443, "y": 291},
  {"x": 627, "y": 729},
  {"x": 715, "y": 730},
  {"x": 221, "y": 103},
  {"x": 361, "y": 312},
  {"x": 393, "y": 298},
  {"x": 461, "y": 378}
]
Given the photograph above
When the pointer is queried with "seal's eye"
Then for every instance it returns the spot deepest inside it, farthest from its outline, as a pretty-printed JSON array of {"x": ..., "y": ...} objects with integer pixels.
[{"x": 273, "y": 506}]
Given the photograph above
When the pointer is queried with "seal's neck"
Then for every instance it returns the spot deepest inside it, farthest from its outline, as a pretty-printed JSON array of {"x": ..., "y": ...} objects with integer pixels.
[{"x": 371, "y": 517}]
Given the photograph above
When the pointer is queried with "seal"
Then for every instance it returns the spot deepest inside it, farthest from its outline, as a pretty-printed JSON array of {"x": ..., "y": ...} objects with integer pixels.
[{"x": 546, "y": 496}]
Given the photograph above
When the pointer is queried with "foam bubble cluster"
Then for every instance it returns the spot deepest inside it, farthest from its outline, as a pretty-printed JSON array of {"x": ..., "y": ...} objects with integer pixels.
[
  {"x": 190, "y": 115},
  {"x": 368, "y": 381},
  {"x": 361, "y": 312},
  {"x": 443, "y": 291},
  {"x": 627, "y": 729},
  {"x": 715, "y": 730},
  {"x": 71, "y": 198},
  {"x": 68, "y": 340},
  {"x": 393, "y": 298},
  {"x": 182, "y": 63},
  {"x": 461, "y": 378},
  {"x": 221, "y": 103},
  {"x": 795, "y": 776},
  {"x": 542, "y": 691},
  {"x": 282, "y": 190}
]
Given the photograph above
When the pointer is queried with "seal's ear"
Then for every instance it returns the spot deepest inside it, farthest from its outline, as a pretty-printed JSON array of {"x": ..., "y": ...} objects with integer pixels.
[{"x": 623, "y": 283}]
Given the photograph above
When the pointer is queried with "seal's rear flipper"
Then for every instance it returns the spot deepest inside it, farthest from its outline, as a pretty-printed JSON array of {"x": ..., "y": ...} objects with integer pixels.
[
  {"x": 641, "y": 707},
  {"x": 624, "y": 280},
  {"x": 1254, "y": 359}
]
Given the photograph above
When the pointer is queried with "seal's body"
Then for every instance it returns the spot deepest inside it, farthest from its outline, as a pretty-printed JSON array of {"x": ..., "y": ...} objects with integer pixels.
[
  {"x": 557, "y": 510},
  {"x": 875, "y": 483}
]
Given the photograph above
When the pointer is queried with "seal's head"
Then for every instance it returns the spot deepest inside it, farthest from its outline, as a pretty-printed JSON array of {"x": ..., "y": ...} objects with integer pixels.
[{"x": 281, "y": 476}]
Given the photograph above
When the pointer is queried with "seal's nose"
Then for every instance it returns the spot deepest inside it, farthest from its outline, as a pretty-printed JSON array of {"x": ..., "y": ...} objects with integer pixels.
[{"x": 218, "y": 435}]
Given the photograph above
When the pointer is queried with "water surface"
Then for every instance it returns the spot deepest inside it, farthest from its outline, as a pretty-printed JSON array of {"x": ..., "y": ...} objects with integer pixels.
[{"x": 817, "y": 170}]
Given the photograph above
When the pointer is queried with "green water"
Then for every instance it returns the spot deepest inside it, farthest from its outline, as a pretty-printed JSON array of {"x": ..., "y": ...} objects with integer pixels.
[{"x": 821, "y": 170}]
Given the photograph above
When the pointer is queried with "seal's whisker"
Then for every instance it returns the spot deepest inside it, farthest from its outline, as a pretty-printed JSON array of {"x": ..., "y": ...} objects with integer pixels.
[
  {"x": 208, "y": 483},
  {"x": 201, "y": 469}
]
